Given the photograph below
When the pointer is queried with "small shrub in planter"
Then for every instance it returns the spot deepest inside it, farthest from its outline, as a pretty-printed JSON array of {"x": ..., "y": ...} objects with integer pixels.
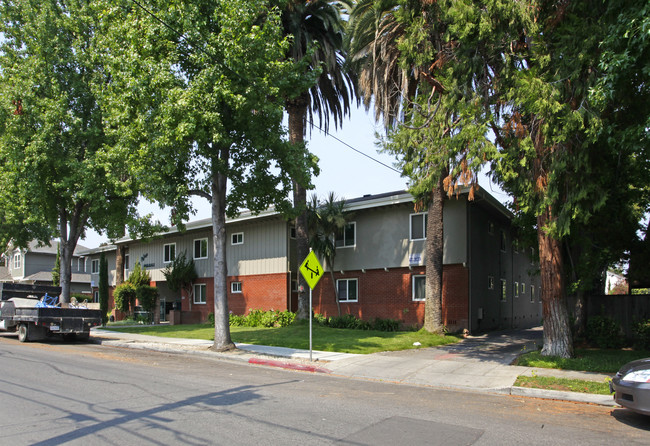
[{"x": 604, "y": 332}]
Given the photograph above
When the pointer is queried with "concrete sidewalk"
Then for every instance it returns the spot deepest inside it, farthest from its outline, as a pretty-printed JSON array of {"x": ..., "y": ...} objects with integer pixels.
[{"x": 478, "y": 363}]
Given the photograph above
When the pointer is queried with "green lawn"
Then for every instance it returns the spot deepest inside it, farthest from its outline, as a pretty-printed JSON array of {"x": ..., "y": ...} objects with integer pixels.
[
  {"x": 297, "y": 336},
  {"x": 563, "y": 384},
  {"x": 586, "y": 360}
]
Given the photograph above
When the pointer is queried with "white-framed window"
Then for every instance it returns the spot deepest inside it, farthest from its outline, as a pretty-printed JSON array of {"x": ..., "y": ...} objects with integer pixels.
[
  {"x": 201, "y": 248},
  {"x": 419, "y": 226},
  {"x": 523, "y": 289},
  {"x": 96, "y": 296},
  {"x": 237, "y": 238},
  {"x": 200, "y": 293},
  {"x": 17, "y": 260},
  {"x": 94, "y": 266},
  {"x": 348, "y": 290},
  {"x": 127, "y": 261},
  {"x": 81, "y": 264},
  {"x": 419, "y": 287},
  {"x": 504, "y": 290},
  {"x": 169, "y": 252},
  {"x": 516, "y": 289},
  {"x": 346, "y": 236},
  {"x": 532, "y": 293},
  {"x": 490, "y": 282},
  {"x": 235, "y": 287}
]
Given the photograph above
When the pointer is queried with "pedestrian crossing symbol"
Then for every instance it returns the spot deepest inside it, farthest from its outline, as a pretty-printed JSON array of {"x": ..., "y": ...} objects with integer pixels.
[{"x": 311, "y": 270}]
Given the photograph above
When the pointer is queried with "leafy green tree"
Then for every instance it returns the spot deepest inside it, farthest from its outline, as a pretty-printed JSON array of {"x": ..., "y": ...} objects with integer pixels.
[
  {"x": 124, "y": 296},
  {"x": 325, "y": 219},
  {"x": 139, "y": 276},
  {"x": 203, "y": 83},
  {"x": 103, "y": 287},
  {"x": 59, "y": 170},
  {"x": 181, "y": 274},
  {"x": 316, "y": 29}
]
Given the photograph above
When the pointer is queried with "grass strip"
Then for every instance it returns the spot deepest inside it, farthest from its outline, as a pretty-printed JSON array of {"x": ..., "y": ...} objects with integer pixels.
[
  {"x": 586, "y": 360},
  {"x": 297, "y": 336},
  {"x": 563, "y": 384}
]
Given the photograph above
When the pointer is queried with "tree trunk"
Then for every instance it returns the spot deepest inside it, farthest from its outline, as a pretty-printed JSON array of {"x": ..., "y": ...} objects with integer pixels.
[
  {"x": 297, "y": 110},
  {"x": 119, "y": 265},
  {"x": 434, "y": 262},
  {"x": 557, "y": 332},
  {"x": 222, "y": 339},
  {"x": 69, "y": 232}
]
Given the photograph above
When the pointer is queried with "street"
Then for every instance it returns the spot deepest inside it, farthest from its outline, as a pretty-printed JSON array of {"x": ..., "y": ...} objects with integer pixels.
[{"x": 55, "y": 393}]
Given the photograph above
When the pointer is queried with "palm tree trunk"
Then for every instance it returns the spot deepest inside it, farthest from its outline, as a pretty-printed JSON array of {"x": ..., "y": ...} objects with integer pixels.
[
  {"x": 297, "y": 110},
  {"x": 434, "y": 261}
]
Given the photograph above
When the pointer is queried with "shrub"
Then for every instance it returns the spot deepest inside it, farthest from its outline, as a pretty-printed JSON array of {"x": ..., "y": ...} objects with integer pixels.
[
  {"x": 124, "y": 296},
  {"x": 385, "y": 324},
  {"x": 147, "y": 296},
  {"x": 320, "y": 319},
  {"x": 604, "y": 331},
  {"x": 261, "y": 318},
  {"x": 349, "y": 321},
  {"x": 641, "y": 331}
]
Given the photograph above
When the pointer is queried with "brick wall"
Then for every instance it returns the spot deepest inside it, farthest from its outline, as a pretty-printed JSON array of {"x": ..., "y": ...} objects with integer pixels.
[{"x": 388, "y": 294}]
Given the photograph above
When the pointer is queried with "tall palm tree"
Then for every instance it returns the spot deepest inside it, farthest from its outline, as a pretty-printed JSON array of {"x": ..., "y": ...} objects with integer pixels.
[
  {"x": 374, "y": 34},
  {"x": 317, "y": 29}
]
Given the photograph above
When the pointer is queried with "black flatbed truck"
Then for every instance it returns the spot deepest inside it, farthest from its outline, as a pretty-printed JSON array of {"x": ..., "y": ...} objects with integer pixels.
[{"x": 19, "y": 312}]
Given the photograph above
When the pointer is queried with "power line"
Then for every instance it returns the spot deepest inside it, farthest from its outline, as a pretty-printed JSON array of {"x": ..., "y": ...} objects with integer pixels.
[{"x": 182, "y": 36}]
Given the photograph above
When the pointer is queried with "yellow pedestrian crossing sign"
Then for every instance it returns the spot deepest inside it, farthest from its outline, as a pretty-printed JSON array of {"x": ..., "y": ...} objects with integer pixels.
[{"x": 311, "y": 270}]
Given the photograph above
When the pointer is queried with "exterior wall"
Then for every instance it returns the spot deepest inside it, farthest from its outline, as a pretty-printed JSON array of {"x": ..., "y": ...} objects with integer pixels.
[
  {"x": 490, "y": 265},
  {"x": 94, "y": 278},
  {"x": 388, "y": 295},
  {"x": 383, "y": 238}
]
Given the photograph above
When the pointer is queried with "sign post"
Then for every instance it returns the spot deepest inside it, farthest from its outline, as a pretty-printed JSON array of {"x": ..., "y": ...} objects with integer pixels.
[{"x": 312, "y": 271}]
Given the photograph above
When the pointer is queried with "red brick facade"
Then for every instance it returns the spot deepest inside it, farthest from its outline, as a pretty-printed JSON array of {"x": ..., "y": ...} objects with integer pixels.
[{"x": 388, "y": 294}]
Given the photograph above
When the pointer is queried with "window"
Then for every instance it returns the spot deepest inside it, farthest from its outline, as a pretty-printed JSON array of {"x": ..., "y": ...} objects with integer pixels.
[
  {"x": 490, "y": 283},
  {"x": 523, "y": 289},
  {"x": 491, "y": 228},
  {"x": 81, "y": 265},
  {"x": 169, "y": 253},
  {"x": 532, "y": 293},
  {"x": 96, "y": 296},
  {"x": 504, "y": 290},
  {"x": 235, "y": 287},
  {"x": 292, "y": 232},
  {"x": 347, "y": 236},
  {"x": 503, "y": 241},
  {"x": 238, "y": 238},
  {"x": 347, "y": 289},
  {"x": 294, "y": 286},
  {"x": 17, "y": 260},
  {"x": 419, "y": 287},
  {"x": 516, "y": 289},
  {"x": 200, "y": 294},
  {"x": 419, "y": 226},
  {"x": 201, "y": 248},
  {"x": 94, "y": 266},
  {"x": 127, "y": 262}
]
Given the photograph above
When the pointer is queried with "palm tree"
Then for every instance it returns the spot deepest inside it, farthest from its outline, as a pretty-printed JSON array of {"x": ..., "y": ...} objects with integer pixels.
[
  {"x": 317, "y": 31},
  {"x": 374, "y": 36},
  {"x": 325, "y": 219}
]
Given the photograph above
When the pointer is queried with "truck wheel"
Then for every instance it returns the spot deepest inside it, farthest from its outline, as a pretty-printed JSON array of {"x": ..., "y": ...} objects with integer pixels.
[{"x": 24, "y": 332}]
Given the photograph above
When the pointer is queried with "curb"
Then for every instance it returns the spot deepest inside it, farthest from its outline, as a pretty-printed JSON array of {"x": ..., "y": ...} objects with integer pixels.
[
  {"x": 577, "y": 397},
  {"x": 288, "y": 365}
]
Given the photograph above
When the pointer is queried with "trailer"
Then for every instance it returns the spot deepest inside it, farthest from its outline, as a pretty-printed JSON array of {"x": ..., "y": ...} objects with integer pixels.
[{"x": 35, "y": 313}]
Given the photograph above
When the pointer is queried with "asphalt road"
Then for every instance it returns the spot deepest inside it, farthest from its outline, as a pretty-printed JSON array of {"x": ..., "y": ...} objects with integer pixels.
[{"x": 55, "y": 393}]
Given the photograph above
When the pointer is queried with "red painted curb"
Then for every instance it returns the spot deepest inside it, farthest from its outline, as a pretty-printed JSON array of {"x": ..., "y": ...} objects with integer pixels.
[{"x": 288, "y": 365}]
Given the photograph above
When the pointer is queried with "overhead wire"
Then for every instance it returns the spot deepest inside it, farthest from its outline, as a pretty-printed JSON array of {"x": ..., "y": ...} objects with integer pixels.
[{"x": 218, "y": 62}]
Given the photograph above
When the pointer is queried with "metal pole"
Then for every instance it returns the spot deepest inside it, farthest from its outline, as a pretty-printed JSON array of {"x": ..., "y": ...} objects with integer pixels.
[{"x": 310, "y": 314}]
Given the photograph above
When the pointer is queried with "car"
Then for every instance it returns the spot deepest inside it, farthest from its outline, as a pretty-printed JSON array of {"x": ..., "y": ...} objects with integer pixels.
[{"x": 631, "y": 386}]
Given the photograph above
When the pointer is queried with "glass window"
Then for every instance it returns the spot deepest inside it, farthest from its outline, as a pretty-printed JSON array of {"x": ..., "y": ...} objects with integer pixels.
[
  {"x": 419, "y": 287},
  {"x": 419, "y": 226},
  {"x": 169, "y": 253},
  {"x": 235, "y": 287},
  {"x": 94, "y": 266},
  {"x": 96, "y": 296},
  {"x": 201, "y": 248},
  {"x": 200, "y": 293},
  {"x": 127, "y": 261},
  {"x": 347, "y": 289},
  {"x": 346, "y": 236},
  {"x": 503, "y": 241},
  {"x": 504, "y": 290},
  {"x": 238, "y": 238},
  {"x": 532, "y": 293},
  {"x": 490, "y": 283},
  {"x": 17, "y": 260},
  {"x": 516, "y": 289}
]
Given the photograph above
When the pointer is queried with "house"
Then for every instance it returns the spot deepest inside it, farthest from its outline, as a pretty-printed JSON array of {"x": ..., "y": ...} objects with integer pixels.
[
  {"x": 34, "y": 265},
  {"x": 489, "y": 281}
]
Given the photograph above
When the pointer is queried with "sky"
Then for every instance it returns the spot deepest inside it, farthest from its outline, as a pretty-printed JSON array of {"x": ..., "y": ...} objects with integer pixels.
[{"x": 344, "y": 171}]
